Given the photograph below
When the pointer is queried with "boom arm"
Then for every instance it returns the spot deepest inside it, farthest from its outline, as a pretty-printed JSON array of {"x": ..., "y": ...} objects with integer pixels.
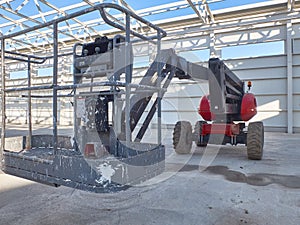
[{"x": 226, "y": 89}]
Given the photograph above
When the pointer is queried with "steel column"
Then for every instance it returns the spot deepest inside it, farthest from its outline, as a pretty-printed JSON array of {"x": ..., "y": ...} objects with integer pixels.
[
  {"x": 214, "y": 51},
  {"x": 29, "y": 116},
  {"x": 128, "y": 80},
  {"x": 55, "y": 64},
  {"x": 289, "y": 56},
  {"x": 159, "y": 94},
  {"x": 3, "y": 100}
]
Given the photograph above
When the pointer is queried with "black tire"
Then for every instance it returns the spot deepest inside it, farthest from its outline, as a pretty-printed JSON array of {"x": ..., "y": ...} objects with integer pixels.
[
  {"x": 197, "y": 133},
  {"x": 255, "y": 140},
  {"x": 183, "y": 137}
]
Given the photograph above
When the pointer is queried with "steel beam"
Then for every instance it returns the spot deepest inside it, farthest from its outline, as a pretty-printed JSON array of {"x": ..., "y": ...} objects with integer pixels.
[
  {"x": 290, "y": 5},
  {"x": 64, "y": 13},
  {"x": 203, "y": 12}
]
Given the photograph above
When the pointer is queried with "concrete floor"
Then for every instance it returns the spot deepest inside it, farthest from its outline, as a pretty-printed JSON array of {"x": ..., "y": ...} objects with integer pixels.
[{"x": 226, "y": 189}]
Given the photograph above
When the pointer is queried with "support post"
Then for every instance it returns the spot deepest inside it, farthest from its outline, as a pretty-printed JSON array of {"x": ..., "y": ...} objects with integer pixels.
[
  {"x": 214, "y": 52},
  {"x": 3, "y": 100},
  {"x": 29, "y": 115},
  {"x": 55, "y": 64},
  {"x": 159, "y": 94},
  {"x": 128, "y": 80},
  {"x": 289, "y": 56}
]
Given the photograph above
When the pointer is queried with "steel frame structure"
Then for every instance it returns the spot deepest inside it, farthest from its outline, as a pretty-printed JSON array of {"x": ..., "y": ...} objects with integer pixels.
[
  {"x": 275, "y": 21},
  {"x": 61, "y": 170},
  {"x": 184, "y": 33},
  {"x": 86, "y": 29},
  {"x": 14, "y": 19}
]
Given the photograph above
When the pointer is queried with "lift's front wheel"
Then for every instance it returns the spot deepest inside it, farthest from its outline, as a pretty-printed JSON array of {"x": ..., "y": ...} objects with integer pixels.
[
  {"x": 255, "y": 140},
  {"x": 197, "y": 134},
  {"x": 182, "y": 137}
]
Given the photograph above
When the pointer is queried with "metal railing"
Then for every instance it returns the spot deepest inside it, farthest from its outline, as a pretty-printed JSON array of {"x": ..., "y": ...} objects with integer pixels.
[{"x": 102, "y": 8}]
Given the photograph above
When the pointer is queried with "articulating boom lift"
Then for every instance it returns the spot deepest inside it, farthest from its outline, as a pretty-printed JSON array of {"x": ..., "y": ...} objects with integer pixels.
[
  {"x": 226, "y": 106},
  {"x": 103, "y": 155}
]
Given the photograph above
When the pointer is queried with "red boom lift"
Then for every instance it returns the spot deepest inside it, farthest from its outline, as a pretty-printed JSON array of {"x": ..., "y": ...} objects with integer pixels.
[{"x": 225, "y": 111}]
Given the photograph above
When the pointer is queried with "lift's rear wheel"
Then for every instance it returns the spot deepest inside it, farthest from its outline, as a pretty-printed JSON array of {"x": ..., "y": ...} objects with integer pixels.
[
  {"x": 255, "y": 140},
  {"x": 198, "y": 132},
  {"x": 182, "y": 137}
]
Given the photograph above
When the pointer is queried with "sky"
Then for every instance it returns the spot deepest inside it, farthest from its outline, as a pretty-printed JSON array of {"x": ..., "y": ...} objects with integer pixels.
[
  {"x": 149, "y": 3},
  {"x": 217, "y": 5},
  {"x": 29, "y": 8},
  {"x": 213, "y": 4}
]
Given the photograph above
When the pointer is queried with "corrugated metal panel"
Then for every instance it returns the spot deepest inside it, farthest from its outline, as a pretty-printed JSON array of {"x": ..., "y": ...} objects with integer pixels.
[
  {"x": 296, "y": 46},
  {"x": 296, "y": 85},
  {"x": 268, "y": 75},
  {"x": 296, "y": 60},
  {"x": 257, "y": 62},
  {"x": 296, "y": 71},
  {"x": 262, "y": 73},
  {"x": 297, "y": 121},
  {"x": 297, "y": 102},
  {"x": 296, "y": 30},
  {"x": 269, "y": 87}
]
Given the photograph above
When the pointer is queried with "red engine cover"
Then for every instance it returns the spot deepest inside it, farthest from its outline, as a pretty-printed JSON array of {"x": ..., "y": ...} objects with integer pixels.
[
  {"x": 204, "y": 108},
  {"x": 248, "y": 107}
]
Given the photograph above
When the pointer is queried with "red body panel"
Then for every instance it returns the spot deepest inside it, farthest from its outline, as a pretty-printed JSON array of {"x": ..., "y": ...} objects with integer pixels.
[
  {"x": 204, "y": 109},
  {"x": 248, "y": 107}
]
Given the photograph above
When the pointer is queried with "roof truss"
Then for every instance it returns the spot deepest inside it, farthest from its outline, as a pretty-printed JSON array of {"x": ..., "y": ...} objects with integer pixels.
[{"x": 14, "y": 17}]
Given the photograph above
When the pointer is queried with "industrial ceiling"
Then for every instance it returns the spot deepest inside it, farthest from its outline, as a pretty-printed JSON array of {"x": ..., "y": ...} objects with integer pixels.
[{"x": 19, "y": 15}]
